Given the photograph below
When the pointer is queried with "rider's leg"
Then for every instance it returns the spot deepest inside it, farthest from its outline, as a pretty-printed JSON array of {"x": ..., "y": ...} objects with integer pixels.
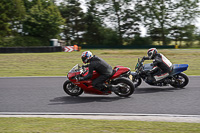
[
  {"x": 151, "y": 73},
  {"x": 98, "y": 83},
  {"x": 161, "y": 76}
]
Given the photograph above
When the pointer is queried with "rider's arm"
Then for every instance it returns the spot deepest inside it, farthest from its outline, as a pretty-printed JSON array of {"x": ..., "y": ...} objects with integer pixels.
[
  {"x": 158, "y": 59},
  {"x": 146, "y": 58},
  {"x": 90, "y": 73}
]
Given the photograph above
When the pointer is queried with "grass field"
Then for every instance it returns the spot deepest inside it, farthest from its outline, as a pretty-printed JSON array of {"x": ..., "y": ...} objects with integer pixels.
[
  {"x": 58, "y": 64},
  {"x": 60, "y": 125}
]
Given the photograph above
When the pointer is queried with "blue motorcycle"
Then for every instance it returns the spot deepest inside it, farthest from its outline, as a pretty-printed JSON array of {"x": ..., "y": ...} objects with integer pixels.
[{"x": 176, "y": 78}]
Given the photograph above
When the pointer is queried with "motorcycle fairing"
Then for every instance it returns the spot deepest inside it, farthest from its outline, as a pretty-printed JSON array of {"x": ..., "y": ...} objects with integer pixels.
[
  {"x": 87, "y": 84},
  {"x": 119, "y": 70},
  {"x": 95, "y": 74},
  {"x": 148, "y": 66},
  {"x": 134, "y": 73},
  {"x": 178, "y": 68}
]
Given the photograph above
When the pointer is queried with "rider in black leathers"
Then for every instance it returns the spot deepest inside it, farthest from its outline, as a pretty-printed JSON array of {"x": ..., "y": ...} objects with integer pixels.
[
  {"x": 161, "y": 65},
  {"x": 102, "y": 67}
]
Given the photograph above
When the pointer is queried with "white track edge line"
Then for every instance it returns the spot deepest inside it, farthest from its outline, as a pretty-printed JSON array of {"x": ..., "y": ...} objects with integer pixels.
[{"x": 96, "y": 114}]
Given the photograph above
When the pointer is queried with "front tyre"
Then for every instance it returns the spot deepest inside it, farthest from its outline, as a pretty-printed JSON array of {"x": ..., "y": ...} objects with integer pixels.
[
  {"x": 137, "y": 81},
  {"x": 71, "y": 89},
  {"x": 127, "y": 88},
  {"x": 179, "y": 80}
]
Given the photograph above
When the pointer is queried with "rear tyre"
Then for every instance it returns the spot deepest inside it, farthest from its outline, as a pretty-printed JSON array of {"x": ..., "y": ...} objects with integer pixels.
[
  {"x": 179, "y": 80},
  {"x": 127, "y": 88},
  {"x": 72, "y": 89}
]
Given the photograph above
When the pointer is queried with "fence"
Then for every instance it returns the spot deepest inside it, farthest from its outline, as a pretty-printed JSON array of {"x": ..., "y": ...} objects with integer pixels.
[
  {"x": 42, "y": 49},
  {"x": 125, "y": 47},
  {"x": 45, "y": 49}
]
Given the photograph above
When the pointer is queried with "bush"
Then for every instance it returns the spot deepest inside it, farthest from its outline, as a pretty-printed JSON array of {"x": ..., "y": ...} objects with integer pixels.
[
  {"x": 110, "y": 37},
  {"x": 23, "y": 41}
]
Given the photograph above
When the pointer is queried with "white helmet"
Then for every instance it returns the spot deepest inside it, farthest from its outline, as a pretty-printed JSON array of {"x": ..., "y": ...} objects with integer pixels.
[
  {"x": 86, "y": 56},
  {"x": 152, "y": 52}
]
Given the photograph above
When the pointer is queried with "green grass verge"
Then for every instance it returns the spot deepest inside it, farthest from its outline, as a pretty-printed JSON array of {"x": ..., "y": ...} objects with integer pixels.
[
  {"x": 58, "y": 64},
  {"x": 60, "y": 125}
]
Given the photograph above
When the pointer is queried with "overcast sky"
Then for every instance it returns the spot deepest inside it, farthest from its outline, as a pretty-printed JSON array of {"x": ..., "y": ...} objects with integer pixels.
[{"x": 81, "y": 1}]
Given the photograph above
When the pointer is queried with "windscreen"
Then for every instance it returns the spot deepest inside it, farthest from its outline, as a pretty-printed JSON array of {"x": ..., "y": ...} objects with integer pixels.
[{"x": 76, "y": 68}]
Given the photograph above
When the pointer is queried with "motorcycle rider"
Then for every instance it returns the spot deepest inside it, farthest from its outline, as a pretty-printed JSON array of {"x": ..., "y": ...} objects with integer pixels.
[
  {"x": 161, "y": 65},
  {"x": 102, "y": 67}
]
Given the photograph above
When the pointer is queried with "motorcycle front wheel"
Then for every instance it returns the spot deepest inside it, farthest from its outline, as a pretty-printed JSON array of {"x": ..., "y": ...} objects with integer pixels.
[
  {"x": 137, "y": 81},
  {"x": 179, "y": 80},
  {"x": 127, "y": 88},
  {"x": 71, "y": 89}
]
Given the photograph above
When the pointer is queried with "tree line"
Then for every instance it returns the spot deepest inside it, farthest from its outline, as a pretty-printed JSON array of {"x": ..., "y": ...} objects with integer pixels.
[{"x": 105, "y": 22}]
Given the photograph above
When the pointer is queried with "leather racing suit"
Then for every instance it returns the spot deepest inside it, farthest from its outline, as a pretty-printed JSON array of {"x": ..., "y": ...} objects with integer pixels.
[
  {"x": 161, "y": 67},
  {"x": 103, "y": 68}
]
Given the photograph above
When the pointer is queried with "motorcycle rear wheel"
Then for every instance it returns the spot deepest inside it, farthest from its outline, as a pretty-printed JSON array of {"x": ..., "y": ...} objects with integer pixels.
[
  {"x": 127, "y": 89},
  {"x": 179, "y": 80},
  {"x": 71, "y": 89}
]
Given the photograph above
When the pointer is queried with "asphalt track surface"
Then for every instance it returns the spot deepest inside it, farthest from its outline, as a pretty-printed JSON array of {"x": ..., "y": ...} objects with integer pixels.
[{"x": 45, "y": 94}]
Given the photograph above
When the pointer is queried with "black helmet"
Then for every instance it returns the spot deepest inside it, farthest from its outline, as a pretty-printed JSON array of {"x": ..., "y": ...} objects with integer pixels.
[{"x": 152, "y": 52}]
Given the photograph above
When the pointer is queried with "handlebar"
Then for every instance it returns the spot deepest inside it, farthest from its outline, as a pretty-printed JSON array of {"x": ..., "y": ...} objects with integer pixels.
[
  {"x": 140, "y": 63},
  {"x": 82, "y": 69}
]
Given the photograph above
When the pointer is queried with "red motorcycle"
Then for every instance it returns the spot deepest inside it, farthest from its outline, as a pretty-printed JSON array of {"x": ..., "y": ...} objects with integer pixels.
[{"x": 73, "y": 87}]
